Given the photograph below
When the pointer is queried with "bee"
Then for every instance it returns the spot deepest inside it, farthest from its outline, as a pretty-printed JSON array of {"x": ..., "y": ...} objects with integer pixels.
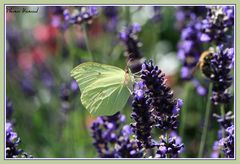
[
  {"x": 203, "y": 57},
  {"x": 208, "y": 54}
]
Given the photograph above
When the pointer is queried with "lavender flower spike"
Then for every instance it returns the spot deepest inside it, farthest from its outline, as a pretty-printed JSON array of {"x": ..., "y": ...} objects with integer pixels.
[
  {"x": 165, "y": 109},
  {"x": 217, "y": 67},
  {"x": 84, "y": 15},
  {"x": 217, "y": 24},
  {"x": 130, "y": 38},
  {"x": 142, "y": 116},
  {"x": 227, "y": 143},
  {"x": 112, "y": 143},
  {"x": 12, "y": 142}
]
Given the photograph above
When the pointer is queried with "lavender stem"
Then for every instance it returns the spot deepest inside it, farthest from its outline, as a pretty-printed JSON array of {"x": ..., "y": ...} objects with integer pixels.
[
  {"x": 86, "y": 41},
  {"x": 206, "y": 121},
  {"x": 167, "y": 137},
  {"x": 223, "y": 114},
  {"x": 184, "y": 112}
]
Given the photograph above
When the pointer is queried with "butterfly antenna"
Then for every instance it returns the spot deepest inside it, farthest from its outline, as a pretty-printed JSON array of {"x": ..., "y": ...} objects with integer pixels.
[{"x": 129, "y": 60}]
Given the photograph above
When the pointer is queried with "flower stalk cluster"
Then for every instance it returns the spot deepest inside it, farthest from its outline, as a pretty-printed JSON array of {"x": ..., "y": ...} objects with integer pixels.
[
  {"x": 112, "y": 141},
  {"x": 143, "y": 117},
  {"x": 67, "y": 90},
  {"x": 227, "y": 142},
  {"x": 168, "y": 148},
  {"x": 189, "y": 46},
  {"x": 12, "y": 142},
  {"x": 79, "y": 16},
  {"x": 225, "y": 145},
  {"x": 129, "y": 36},
  {"x": 216, "y": 26},
  {"x": 217, "y": 67},
  {"x": 185, "y": 14},
  {"x": 112, "y": 15},
  {"x": 9, "y": 109},
  {"x": 154, "y": 106},
  {"x": 12, "y": 139},
  {"x": 164, "y": 107}
]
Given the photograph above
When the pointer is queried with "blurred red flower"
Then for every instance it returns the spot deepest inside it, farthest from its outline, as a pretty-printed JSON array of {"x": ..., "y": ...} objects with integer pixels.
[
  {"x": 25, "y": 61},
  {"x": 39, "y": 55}
]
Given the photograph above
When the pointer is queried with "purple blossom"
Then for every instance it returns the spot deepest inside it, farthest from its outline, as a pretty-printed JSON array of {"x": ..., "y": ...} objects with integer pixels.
[
  {"x": 216, "y": 149},
  {"x": 201, "y": 90},
  {"x": 168, "y": 148},
  {"x": 111, "y": 13},
  {"x": 160, "y": 97},
  {"x": 190, "y": 48},
  {"x": 129, "y": 36},
  {"x": 12, "y": 142},
  {"x": 227, "y": 143},
  {"x": 218, "y": 23},
  {"x": 154, "y": 107},
  {"x": 217, "y": 67},
  {"x": 27, "y": 85},
  {"x": 226, "y": 120},
  {"x": 142, "y": 116},
  {"x": 185, "y": 14},
  {"x": 9, "y": 108},
  {"x": 83, "y": 15},
  {"x": 110, "y": 141}
]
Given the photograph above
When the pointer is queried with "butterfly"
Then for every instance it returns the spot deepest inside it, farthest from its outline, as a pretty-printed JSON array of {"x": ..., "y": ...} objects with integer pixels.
[{"x": 105, "y": 89}]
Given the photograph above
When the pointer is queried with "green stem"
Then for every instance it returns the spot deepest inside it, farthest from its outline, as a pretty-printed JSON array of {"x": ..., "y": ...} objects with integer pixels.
[
  {"x": 206, "y": 121},
  {"x": 222, "y": 114},
  {"x": 184, "y": 111},
  {"x": 167, "y": 136},
  {"x": 86, "y": 41},
  {"x": 128, "y": 16}
]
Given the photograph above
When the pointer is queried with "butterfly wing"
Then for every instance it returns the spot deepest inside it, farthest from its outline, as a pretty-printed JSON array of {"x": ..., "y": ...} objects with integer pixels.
[{"x": 103, "y": 87}]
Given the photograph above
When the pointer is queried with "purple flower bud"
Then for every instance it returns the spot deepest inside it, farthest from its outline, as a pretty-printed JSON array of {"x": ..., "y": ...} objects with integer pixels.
[
  {"x": 110, "y": 125},
  {"x": 139, "y": 94},
  {"x": 133, "y": 152},
  {"x": 123, "y": 35},
  {"x": 74, "y": 86},
  {"x": 179, "y": 103},
  {"x": 185, "y": 72},
  {"x": 163, "y": 149},
  {"x": 230, "y": 130},
  {"x": 93, "y": 10},
  {"x": 111, "y": 142},
  {"x": 136, "y": 28},
  {"x": 126, "y": 130},
  {"x": 122, "y": 118},
  {"x": 205, "y": 38},
  {"x": 201, "y": 90}
]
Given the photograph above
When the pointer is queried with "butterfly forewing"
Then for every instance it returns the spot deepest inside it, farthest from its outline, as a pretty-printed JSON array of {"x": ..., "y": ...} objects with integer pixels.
[
  {"x": 87, "y": 73},
  {"x": 103, "y": 87}
]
